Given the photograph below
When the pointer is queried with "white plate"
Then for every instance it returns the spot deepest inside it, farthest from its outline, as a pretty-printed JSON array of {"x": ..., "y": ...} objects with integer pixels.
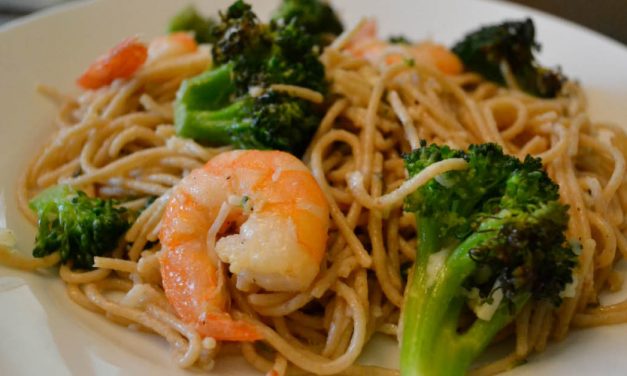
[{"x": 42, "y": 332}]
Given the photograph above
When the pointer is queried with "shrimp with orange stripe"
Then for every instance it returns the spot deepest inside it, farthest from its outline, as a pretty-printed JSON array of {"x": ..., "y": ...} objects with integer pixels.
[{"x": 262, "y": 215}]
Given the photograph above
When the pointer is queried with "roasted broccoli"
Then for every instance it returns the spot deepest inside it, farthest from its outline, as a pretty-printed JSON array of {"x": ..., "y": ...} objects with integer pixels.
[
  {"x": 264, "y": 55},
  {"x": 188, "y": 19},
  {"x": 78, "y": 226},
  {"x": 233, "y": 102},
  {"x": 513, "y": 42},
  {"x": 316, "y": 16},
  {"x": 399, "y": 39},
  {"x": 243, "y": 40},
  {"x": 491, "y": 239},
  {"x": 270, "y": 120}
]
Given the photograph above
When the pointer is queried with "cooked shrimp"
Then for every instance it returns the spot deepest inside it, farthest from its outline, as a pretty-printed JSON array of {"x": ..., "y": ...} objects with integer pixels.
[
  {"x": 170, "y": 45},
  {"x": 259, "y": 212},
  {"x": 120, "y": 62},
  {"x": 365, "y": 44}
]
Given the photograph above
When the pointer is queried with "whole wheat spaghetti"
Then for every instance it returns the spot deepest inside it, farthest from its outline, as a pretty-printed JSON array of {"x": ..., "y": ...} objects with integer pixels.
[{"x": 119, "y": 142}]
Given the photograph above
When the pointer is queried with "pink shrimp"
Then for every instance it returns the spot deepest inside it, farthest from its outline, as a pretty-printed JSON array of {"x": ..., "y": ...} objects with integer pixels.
[
  {"x": 365, "y": 44},
  {"x": 174, "y": 44},
  {"x": 259, "y": 212},
  {"x": 123, "y": 60},
  {"x": 120, "y": 62}
]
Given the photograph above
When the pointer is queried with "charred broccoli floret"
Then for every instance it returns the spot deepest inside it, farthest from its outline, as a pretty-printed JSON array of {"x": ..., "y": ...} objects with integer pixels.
[
  {"x": 233, "y": 102},
  {"x": 491, "y": 239},
  {"x": 78, "y": 226},
  {"x": 317, "y": 17},
  {"x": 270, "y": 120},
  {"x": 513, "y": 42}
]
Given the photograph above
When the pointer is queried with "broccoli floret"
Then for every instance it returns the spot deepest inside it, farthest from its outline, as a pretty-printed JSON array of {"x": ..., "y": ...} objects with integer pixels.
[
  {"x": 317, "y": 17},
  {"x": 512, "y": 42},
  {"x": 491, "y": 238},
  {"x": 78, "y": 226},
  {"x": 264, "y": 55},
  {"x": 188, "y": 19},
  {"x": 242, "y": 39},
  {"x": 399, "y": 39},
  {"x": 217, "y": 107},
  {"x": 294, "y": 60},
  {"x": 270, "y": 120}
]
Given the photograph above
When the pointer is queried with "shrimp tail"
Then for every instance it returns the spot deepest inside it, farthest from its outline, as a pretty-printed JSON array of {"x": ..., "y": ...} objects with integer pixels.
[{"x": 223, "y": 327}]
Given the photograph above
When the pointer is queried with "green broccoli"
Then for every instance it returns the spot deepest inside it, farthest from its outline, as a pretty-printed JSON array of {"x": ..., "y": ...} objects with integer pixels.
[
  {"x": 269, "y": 120},
  {"x": 78, "y": 226},
  {"x": 264, "y": 54},
  {"x": 491, "y": 238},
  {"x": 316, "y": 16},
  {"x": 233, "y": 104},
  {"x": 294, "y": 60},
  {"x": 512, "y": 42},
  {"x": 188, "y": 19},
  {"x": 399, "y": 39},
  {"x": 242, "y": 39}
]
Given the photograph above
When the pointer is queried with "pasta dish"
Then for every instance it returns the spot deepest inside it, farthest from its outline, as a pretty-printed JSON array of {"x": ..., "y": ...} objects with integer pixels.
[{"x": 288, "y": 190}]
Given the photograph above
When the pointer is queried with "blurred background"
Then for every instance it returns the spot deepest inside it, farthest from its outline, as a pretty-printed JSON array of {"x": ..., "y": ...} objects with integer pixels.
[{"x": 604, "y": 16}]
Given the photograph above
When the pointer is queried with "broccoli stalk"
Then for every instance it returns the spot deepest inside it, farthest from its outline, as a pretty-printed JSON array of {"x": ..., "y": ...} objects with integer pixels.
[
  {"x": 491, "y": 238},
  {"x": 217, "y": 107},
  {"x": 514, "y": 43},
  {"x": 78, "y": 226},
  {"x": 205, "y": 112},
  {"x": 200, "y": 103},
  {"x": 317, "y": 17}
]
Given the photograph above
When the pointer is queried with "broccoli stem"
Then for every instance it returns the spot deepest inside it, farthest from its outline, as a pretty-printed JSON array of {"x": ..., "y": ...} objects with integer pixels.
[
  {"x": 431, "y": 344},
  {"x": 210, "y": 90},
  {"x": 417, "y": 291},
  {"x": 215, "y": 127},
  {"x": 203, "y": 111},
  {"x": 454, "y": 353},
  {"x": 428, "y": 311},
  {"x": 428, "y": 229}
]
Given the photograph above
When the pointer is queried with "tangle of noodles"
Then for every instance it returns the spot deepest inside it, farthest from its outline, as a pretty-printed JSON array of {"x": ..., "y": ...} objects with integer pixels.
[{"x": 119, "y": 141}]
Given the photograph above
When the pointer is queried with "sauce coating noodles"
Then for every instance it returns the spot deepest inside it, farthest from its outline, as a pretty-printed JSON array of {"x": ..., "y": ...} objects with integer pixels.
[{"x": 119, "y": 141}]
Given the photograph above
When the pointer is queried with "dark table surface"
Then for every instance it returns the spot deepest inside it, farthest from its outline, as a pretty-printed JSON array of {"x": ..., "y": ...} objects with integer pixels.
[{"x": 608, "y": 17}]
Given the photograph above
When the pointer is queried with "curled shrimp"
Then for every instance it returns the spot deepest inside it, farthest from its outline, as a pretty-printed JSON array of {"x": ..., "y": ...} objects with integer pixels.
[
  {"x": 120, "y": 62},
  {"x": 262, "y": 214},
  {"x": 365, "y": 44},
  {"x": 171, "y": 45}
]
